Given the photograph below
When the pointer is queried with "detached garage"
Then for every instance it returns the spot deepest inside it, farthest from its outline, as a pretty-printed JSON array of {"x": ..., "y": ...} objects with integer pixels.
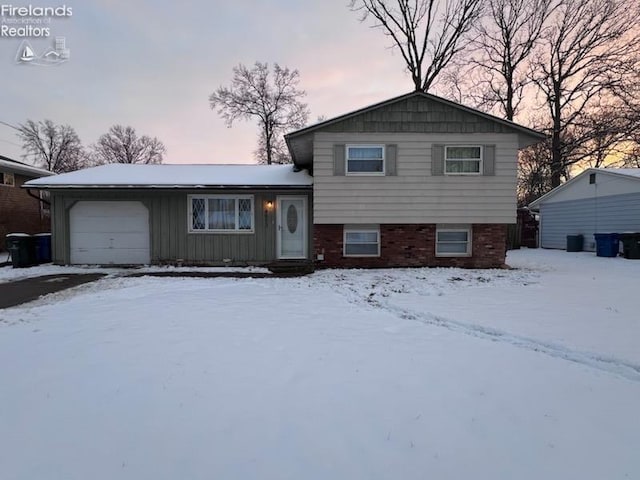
[
  {"x": 109, "y": 233},
  {"x": 599, "y": 200}
]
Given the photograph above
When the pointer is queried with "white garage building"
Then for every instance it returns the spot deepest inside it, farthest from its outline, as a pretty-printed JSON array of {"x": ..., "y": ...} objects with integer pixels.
[{"x": 599, "y": 200}]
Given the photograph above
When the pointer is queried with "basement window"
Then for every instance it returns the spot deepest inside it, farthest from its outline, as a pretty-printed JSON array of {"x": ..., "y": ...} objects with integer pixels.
[
  {"x": 362, "y": 241},
  {"x": 453, "y": 242}
]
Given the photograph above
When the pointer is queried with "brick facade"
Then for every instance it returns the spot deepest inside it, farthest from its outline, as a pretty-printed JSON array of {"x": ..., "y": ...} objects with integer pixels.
[
  {"x": 412, "y": 246},
  {"x": 20, "y": 212}
]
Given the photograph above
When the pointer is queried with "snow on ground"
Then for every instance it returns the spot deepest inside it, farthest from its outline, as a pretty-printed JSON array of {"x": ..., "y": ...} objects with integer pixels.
[
  {"x": 10, "y": 274},
  {"x": 344, "y": 374}
]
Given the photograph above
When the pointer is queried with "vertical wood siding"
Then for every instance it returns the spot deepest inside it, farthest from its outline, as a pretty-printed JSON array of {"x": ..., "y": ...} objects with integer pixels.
[{"x": 170, "y": 238}]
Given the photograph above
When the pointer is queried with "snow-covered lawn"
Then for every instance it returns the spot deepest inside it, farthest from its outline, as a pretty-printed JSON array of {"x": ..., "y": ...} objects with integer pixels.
[
  {"x": 383, "y": 374},
  {"x": 10, "y": 274}
]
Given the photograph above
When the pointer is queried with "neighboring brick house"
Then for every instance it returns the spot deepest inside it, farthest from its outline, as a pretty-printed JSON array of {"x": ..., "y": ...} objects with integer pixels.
[
  {"x": 19, "y": 211},
  {"x": 413, "y": 181}
]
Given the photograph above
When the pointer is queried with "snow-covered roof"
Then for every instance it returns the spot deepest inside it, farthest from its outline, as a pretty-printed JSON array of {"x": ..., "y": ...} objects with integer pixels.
[
  {"x": 22, "y": 168},
  {"x": 632, "y": 172},
  {"x": 626, "y": 172},
  {"x": 119, "y": 175}
]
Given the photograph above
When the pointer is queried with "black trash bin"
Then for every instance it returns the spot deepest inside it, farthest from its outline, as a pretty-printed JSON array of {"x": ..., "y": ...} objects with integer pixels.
[
  {"x": 21, "y": 248},
  {"x": 630, "y": 245},
  {"x": 575, "y": 243},
  {"x": 42, "y": 247}
]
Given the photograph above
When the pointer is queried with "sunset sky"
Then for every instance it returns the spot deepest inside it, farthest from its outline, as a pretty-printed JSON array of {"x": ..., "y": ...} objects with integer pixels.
[{"x": 153, "y": 65}]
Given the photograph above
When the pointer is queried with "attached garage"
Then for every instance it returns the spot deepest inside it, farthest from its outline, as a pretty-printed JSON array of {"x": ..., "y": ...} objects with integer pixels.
[
  {"x": 206, "y": 215},
  {"x": 105, "y": 232}
]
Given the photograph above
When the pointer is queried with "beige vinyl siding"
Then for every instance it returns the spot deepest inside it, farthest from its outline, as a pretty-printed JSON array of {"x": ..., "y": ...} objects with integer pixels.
[{"x": 414, "y": 195}]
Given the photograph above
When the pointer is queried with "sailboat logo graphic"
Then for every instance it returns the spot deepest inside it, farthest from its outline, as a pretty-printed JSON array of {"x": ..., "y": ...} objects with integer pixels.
[
  {"x": 59, "y": 53},
  {"x": 27, "y": 54}
]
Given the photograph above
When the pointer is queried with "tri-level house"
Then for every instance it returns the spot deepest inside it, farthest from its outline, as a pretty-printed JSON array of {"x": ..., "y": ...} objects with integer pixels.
[{"x": 416, "y": 180}]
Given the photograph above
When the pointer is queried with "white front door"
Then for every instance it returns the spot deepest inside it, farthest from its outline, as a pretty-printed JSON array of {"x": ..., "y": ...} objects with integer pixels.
[{"x": 292, "y": 227}]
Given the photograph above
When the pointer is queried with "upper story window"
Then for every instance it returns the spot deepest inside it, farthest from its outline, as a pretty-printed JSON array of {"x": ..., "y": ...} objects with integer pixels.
[
  {"x": 221, "y": 213},
  {"x": 463, "y": 160},
  {"x": 365, "y": 159},
  {"x": 7, "y": 179}
]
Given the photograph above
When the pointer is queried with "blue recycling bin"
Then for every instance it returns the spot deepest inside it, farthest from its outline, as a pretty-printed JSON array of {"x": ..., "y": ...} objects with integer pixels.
[
  {"x": 607, "y": 244},
  {"x": 43, "y": 247}
]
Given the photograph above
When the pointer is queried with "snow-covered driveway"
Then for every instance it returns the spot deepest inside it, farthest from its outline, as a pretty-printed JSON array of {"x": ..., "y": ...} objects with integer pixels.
[{"x": 399, "y": 374}]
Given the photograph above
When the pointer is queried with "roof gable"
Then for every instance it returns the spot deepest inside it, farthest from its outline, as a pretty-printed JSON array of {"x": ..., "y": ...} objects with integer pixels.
[
  {"x": 415, "y": 112},
  {"x": 632, "y": 174}
]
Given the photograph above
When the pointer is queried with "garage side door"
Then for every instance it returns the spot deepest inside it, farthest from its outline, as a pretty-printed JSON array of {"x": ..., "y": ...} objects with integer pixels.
[{"x": 109, "y": 233}]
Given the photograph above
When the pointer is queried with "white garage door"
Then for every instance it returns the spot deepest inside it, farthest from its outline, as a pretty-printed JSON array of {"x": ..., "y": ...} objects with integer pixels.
[{"x": 109, "y": 233}]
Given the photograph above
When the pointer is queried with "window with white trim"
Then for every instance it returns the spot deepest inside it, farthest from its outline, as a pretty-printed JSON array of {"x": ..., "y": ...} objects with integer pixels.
[
  {"x": 362, "y": 242},
  {"x": 7, "y": 179},
  {"x": 45, "y": 204},
  {"x": 364, "y": 159},
  {"x": 453, "y": 242},
  {"x": 221, "y": 213},
  {"x": 463, "y": 159}
]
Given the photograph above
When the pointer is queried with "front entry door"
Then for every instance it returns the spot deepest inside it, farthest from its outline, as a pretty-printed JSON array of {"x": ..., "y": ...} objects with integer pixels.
[{"x": 292, "y": 227}]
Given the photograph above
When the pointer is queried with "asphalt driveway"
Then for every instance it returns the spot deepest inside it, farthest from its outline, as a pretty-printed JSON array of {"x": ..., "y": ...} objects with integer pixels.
[{"x": 23, "y": 291}]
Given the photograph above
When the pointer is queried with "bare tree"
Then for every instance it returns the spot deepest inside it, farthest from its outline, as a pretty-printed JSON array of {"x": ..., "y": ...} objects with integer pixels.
[
  {"x": 56, "y": 148},
  {"x": 428, "y": 33},
  {"x": 534, "y": 173},
  {"x": 276, "y": 104},
  {"x": 122, "y": 145},
  {"x": 504, "y": 40},
  {"x": 631, "y": 158},
  {"x": 589, "y": 54},
  {"x": 601, "y": 138},
  {"x": 278, "y": 148}
]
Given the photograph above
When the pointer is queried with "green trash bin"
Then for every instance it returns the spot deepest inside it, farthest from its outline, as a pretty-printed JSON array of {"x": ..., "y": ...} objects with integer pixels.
[
  {"x": 630, "y": 245},
  {"x": 575, "y": 243},
  {"x": 21, "y": 248}
]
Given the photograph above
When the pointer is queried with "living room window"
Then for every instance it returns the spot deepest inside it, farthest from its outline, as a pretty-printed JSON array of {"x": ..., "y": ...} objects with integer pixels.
[
  {"x": 453, "y": 241},
  {"x": 365, "y": 159},
  {"x": 221, "y": 213},
  {"x": 7, "y": 179},
  {"x": 463, "y": 160},
  {"x": 362, "y": 242}
]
